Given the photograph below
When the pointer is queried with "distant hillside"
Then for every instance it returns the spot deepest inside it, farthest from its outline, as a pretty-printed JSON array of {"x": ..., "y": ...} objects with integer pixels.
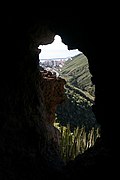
[
  {"x": 79, "y": 90},
  {"x": 76, "y": 110},
  {"x": 76, "y": 72}
]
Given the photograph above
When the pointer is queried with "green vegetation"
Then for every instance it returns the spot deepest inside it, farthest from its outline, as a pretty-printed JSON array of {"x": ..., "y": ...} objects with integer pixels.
[
  {"x": 76, "y": 72},
  {"x": 74, "y": 117},
  {"x": 76, "y": 110},
  {"x": 79, "y": 91},
  {"x": 75, "y": 142}
]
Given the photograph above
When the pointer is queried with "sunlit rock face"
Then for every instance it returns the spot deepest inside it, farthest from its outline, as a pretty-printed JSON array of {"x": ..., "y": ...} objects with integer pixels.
[{"x": 53, "y": 92}]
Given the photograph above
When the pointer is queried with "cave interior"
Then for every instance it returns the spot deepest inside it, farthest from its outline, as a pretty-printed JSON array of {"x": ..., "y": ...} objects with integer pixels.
[{"x": 24, "y": 150}]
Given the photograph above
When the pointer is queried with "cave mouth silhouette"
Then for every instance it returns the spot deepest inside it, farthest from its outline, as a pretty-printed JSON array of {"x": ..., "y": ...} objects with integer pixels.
[{"x": 75, "y": 113}]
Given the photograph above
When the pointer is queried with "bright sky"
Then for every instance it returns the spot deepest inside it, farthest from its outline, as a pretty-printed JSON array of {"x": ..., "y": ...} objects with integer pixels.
[{"x": 57, "y": 49}]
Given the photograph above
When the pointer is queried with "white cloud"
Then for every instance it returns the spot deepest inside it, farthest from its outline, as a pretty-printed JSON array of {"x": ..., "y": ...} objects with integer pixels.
[{"x": 57, "y": 49}]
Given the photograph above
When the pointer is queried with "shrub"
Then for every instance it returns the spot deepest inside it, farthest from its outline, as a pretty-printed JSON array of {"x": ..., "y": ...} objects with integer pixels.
[{"x": 77, "y": 141}]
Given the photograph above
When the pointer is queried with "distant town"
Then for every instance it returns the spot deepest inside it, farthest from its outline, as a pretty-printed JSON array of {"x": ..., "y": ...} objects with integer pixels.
[
  {"x": 54, "y": 65},
  {"x": 55, "y": 62}
]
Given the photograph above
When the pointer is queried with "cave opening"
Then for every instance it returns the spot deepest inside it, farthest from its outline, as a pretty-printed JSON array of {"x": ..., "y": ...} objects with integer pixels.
[{"x": 71, "y": 97}]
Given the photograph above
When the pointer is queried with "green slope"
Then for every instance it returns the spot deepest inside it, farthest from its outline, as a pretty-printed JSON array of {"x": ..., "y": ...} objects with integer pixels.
[
  {"x": 76, "y": 110},
  {"x": 76, "y": 72},
  {"x": 79, "y": 90}
]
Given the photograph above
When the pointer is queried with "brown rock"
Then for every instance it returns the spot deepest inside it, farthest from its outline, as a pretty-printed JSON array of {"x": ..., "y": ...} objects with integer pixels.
[{"x": 53, "y": 92}]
